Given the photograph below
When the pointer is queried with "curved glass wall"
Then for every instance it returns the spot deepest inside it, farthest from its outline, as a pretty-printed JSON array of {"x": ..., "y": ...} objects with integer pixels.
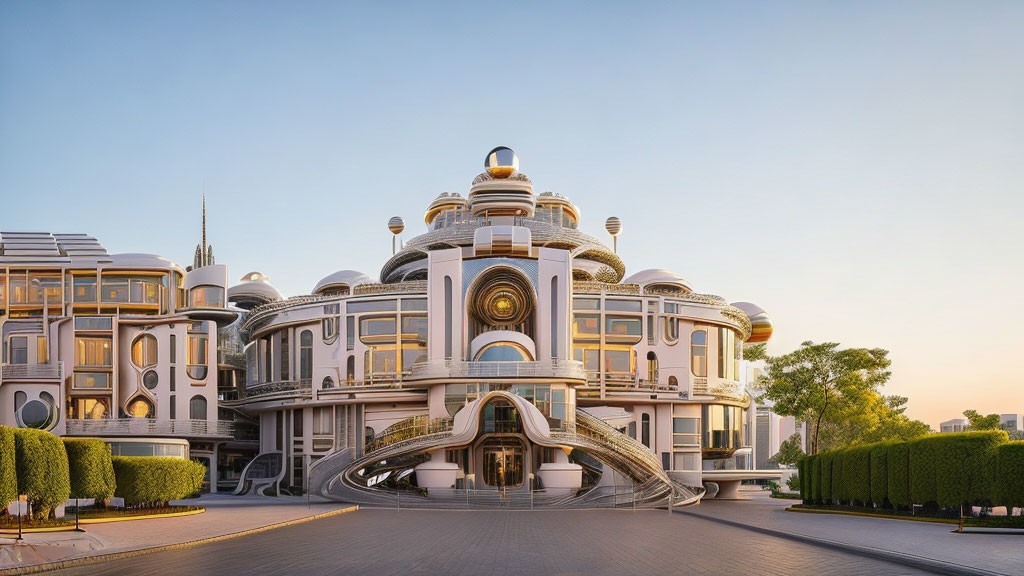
[{"x": 723, "y": 428}]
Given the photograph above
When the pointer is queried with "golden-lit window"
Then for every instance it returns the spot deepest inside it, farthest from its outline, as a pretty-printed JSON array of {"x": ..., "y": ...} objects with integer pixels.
[
  {"x": 699, "y": 353},
  {"x": 586, "y": 326},
  {"x": 144, "y": 352},
  {"x": 140, "y": 408},
  {"x": 93, "y": 352}
]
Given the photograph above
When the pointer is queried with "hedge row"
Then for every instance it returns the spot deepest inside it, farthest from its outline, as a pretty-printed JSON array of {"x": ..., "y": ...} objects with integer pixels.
[
  {"x": 8, "y": 471},
  {"x": 42, "y": 466},
  {"x": 92, "y": 472},
  {"x": 155, "y": 480},
  {"x": 948, "y": 470}
]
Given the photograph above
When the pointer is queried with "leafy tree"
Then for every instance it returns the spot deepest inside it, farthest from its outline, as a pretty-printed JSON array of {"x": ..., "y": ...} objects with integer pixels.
[
  {"x": 817, "y": 380},
  {"x": 979, "y": 422},
  {"x": 790, "y": 451}
]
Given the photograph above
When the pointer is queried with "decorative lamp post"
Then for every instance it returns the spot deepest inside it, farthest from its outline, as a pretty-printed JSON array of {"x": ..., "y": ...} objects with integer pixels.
[{"x": 395, "y": 225}]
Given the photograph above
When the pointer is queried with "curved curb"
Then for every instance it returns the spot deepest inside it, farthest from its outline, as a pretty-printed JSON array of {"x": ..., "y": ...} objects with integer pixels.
[
  {"x": 102, "y": 520},
  {"x": 870, "y": 515},
  {"x": 910, "y": 560},
  {"x": 81, "y": 561}
]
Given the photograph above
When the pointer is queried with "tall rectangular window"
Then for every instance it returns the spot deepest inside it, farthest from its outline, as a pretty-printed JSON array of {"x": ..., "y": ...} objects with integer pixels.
[
  {"x": 174, "y": 349},
  {"x": 285, "y": 352},
  {"x": 306, "y": 356},
  {"x": 42, "y": 350},
  {"x": 19, "y": 350},
  {"x": 699, "y": 353},
  {"x": 350, "y": 332}
]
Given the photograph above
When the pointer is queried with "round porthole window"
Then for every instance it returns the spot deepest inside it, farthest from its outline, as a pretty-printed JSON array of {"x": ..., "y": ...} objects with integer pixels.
[
  {"x": 150, "y": 379},
  {"x": 35, "y": 414}
]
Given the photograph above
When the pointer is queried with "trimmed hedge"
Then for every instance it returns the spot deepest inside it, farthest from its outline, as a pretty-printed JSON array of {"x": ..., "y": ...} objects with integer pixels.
[
  {"x": 897, "y": 462},
  {"x": 155, "y": 480},
  {"x": 941, "y": 470},
  {"x": 1010, "y": 473},
  {"x": 879, "y": 464},
  {"x": 966, "y": 466},
  {"x": 92, "y": 472},
  {"x": 42, "y": 466},
  {"x": 801, "y": 472},
  {"x": 922, "y": 470},
  {"x": 8, "y": 471}
]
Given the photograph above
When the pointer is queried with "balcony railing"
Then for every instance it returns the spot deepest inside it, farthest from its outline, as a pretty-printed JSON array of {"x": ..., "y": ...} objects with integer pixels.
[
  {"x": 33, "y": 371},
  {"x": 570, "y": 369},
  {"x": 284, "y": 388},
  {"x": 150, "y": 427},
  {"x": 722, "y": 389}
]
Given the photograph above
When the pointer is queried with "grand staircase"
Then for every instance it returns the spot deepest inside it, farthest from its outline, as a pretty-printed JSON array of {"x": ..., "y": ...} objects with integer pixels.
[{"x": 338, "y": 475}]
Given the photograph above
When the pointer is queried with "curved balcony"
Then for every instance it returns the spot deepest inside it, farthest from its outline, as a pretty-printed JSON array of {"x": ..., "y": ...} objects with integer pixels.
[
  {"x": 278, "y": 390},
  {"x": 725, "y": 389},
  {"x": 447, "y": 369}
]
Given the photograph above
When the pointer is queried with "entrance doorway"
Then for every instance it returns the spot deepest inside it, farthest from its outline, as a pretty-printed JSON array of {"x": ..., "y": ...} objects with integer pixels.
[{"x": 503, "y": 463}]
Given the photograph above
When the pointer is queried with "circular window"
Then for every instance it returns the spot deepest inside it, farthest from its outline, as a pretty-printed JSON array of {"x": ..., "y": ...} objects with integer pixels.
[
  {"x": 35, "y": 414},
  {"x": 150, "y": 379},
  {"x": 502, "y": 297}
]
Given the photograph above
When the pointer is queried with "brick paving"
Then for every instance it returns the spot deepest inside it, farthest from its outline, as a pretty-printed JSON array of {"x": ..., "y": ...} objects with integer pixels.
[
  {"x": 570, "y": 542},
  {"x": 225, "y": 514},
  {"x": 998, "y": 553}
]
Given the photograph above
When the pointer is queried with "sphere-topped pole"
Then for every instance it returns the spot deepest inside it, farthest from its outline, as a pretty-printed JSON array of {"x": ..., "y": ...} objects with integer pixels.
[
  {"x": 614, "y": 227},
  {"x": 395, "y": 225}
]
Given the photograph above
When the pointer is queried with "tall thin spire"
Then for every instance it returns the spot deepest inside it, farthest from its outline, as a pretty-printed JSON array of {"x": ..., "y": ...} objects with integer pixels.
[{"x": 204, "y": 216}]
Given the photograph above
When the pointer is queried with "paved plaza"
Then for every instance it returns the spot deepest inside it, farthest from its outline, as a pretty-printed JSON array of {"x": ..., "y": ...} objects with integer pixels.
[{"x": 612, "y": 542}]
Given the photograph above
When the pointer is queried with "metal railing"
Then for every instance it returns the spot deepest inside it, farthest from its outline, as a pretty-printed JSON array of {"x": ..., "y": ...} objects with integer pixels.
[
  {"x": 557, "y": 368},
  {"x": 33, "y": 371},
  {"x": 283, "y": 388},
  {"x": 729, "y": 390},
  {"x": 411, "y": 427},
  {"x": 150, "y": 427}
]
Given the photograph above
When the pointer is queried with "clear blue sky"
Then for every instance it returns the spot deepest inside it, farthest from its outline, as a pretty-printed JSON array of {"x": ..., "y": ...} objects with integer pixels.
[{"x": 856, "y": 169}]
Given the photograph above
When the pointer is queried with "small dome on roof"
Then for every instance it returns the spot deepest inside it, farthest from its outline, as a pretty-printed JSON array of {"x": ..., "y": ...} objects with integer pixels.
[
  {"x": 254, "y": 276},
  {"x": 659, "y": 277},
  {"x": 761, "y": 326},
  {"x": 342, "y": 280},
  {"x": 444, "y": 201},
  {"x": 251, "y": 293}
]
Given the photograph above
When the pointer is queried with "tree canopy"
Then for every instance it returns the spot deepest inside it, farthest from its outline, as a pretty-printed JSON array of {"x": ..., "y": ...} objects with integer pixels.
[
  {"x": 979, "y": 422},
  {"x": 790, "y": 451},
  {"x": 836, "y": 392}
]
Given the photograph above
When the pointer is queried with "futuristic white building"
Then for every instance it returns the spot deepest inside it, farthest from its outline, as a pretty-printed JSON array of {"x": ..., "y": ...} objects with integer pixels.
[
  {"x": 110, "y": 345},
  {"x": 503, "y": 351}
]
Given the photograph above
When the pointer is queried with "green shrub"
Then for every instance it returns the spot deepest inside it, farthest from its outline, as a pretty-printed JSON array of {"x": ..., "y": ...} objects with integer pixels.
[
  {"x": 816, "y": 479},
  {"x": 152, "y": 481},
  {"x": 42, "y": 466},
  {"x": 879, "y": 473},
  {"x": 802, "y": 475},
  {"x": 857, "y": 469},
  {"x": 897, "y": 460},
  {"x": 923, "y": 461},
  {"x": 8, "y": 471},
  {"x": 92, "y": 472},
  {"x": 1010, "y": 474},
  {"x": 826, "y": 477},
  {"x": 965, "y": 466}
]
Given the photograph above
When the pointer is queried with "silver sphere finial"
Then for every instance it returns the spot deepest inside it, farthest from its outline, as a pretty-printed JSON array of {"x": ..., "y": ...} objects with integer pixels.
[
  {"x": 501, "y": 162},
  {"x": 396, "y": 224},
  {"x": 614, "y": 227}
]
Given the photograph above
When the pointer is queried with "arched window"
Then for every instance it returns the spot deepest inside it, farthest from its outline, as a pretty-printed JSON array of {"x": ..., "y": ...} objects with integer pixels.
[
  {"x": 305, "y": 356},
  {"x": 652, "y": 367},
  {"x": 140, "y": 408},
  {"x": 197, "y": 408},
  {"x": 503, "y": 352},
  {"x": 350, "y": 370},
  {"x": 144, "y": 352},
  {"x": 327, "y": 383},
  {"x": 673, "y": 382},
  {"x": 645, "y": 429},
  {"x": 699, "y": 353}
]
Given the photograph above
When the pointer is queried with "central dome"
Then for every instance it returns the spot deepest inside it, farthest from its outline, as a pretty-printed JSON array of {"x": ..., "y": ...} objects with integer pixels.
[{"x": 501, "y": 162}]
